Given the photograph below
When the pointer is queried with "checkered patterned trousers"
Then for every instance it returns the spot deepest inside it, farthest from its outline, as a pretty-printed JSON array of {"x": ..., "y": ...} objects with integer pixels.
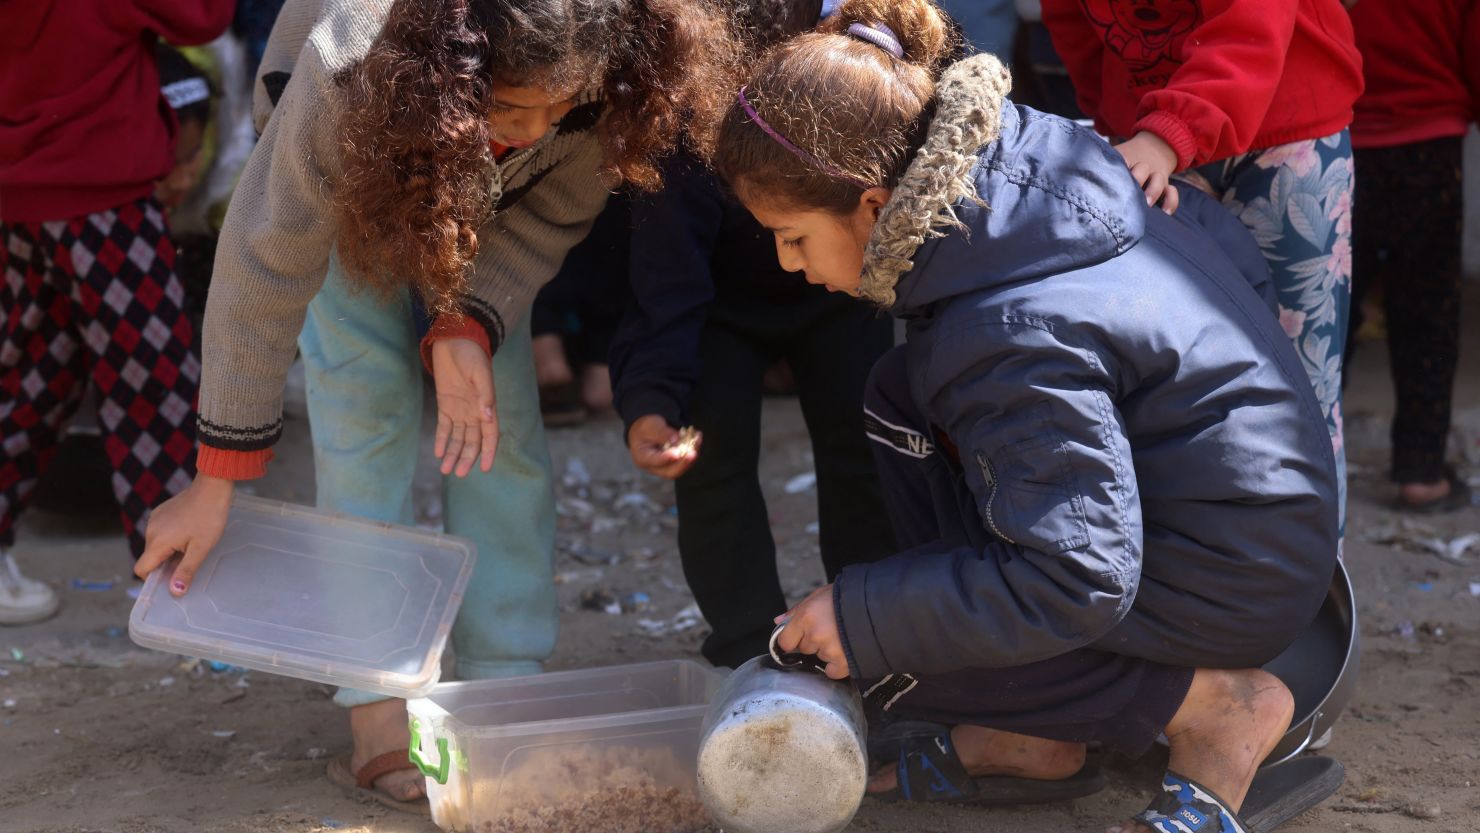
[{"x": 97, "y": 297}]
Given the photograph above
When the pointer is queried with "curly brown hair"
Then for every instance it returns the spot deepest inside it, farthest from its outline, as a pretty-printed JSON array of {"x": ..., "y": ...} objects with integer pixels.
[{"x": 417, "y": 165}]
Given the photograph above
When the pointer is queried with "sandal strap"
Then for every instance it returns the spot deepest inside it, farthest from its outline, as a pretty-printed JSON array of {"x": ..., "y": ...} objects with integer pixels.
[
  {"x": 930, "y": 770},
  {"x": 1185, "y": 806},
  {"x": 381, "y": 765}
]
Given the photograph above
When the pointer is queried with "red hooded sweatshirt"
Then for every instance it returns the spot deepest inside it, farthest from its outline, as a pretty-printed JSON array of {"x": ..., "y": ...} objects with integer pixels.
[
  {"x": 1214, "y": 78},
  {"x": 83, "y": 126},
  {"x": 1422, "y": 62}
]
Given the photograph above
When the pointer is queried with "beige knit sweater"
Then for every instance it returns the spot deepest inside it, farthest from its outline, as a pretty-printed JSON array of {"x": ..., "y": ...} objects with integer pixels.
[{"x": 275, "y": 244}]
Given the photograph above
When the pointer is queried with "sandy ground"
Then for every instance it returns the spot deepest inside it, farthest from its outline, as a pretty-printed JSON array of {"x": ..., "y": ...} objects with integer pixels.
[{"x": 99, "y": 735}]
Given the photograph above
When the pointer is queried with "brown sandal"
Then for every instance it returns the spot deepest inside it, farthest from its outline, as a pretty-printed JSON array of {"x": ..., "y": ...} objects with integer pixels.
[{"x": 362, "y": 784}]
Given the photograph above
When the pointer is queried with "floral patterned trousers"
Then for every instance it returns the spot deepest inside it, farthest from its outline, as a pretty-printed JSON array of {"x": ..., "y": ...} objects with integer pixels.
[{"x": 1296, "y": 199}]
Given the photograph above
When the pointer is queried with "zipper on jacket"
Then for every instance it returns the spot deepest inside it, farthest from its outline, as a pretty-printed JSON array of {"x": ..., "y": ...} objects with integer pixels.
[{"x": 989, "y": 475}]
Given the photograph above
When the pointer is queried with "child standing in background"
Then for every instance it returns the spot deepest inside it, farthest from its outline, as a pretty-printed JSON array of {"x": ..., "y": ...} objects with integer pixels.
[
  {"x": 712, "y": 309},
  {"x": 1249, "y": 101},
  {"x": 188, "y": 91},
  {"x": 90, "y": 288},
  {"x": 1422, "y": 65}
]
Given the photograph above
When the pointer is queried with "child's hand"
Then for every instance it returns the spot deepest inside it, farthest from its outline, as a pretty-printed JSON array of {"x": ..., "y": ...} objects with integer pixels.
[
  {"x": 190, "y": 523},
  {"x": 658, "y": 448},
  {"x": 1152, "y": 162},
  {"x": 467, "y": 424},
  {"x": 812, "y": 628}
]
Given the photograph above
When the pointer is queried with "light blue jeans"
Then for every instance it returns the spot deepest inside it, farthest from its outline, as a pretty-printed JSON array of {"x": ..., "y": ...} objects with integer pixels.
[{"x": 364, "y": 376}]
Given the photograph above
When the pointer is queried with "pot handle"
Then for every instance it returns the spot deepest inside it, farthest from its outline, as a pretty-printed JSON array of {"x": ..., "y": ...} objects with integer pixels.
[{"x": 792, "y": 661}]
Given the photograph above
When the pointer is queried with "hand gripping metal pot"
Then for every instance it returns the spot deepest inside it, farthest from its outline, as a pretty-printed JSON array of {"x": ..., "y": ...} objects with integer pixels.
[{"x": 782, "y": 749}]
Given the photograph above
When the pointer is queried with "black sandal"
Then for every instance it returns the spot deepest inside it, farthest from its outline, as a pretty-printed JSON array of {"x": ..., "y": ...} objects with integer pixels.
[{"x": 930, "y": 771}]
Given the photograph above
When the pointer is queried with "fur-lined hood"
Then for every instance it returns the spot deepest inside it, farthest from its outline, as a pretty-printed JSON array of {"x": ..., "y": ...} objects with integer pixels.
[{"x": 997, "y": 193}]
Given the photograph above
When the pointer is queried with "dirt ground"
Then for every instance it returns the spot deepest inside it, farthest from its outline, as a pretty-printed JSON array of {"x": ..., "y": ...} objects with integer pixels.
[{"x": 99, "y": 735}]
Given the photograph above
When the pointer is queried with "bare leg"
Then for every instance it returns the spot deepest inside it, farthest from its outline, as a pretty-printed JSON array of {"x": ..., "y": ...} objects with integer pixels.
[
  {"x": 986, "y": 751},
  {"x": 596, "y": 387},
  {"x": 378, "y": 728},
  {"x": 551, "y": 370},
  {"x": 1229, "y": 723}
]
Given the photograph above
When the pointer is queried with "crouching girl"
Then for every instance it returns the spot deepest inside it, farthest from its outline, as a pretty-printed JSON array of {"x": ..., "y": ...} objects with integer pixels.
[{"x": 1112, "y": 481}]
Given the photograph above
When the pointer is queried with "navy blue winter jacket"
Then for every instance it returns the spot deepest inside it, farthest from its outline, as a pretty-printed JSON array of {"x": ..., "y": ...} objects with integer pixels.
[{"x": 1140, "y": 452}]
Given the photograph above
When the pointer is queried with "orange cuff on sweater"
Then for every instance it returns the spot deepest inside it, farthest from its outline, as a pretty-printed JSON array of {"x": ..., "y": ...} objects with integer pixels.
[
  {"x": 453, "y": 325},
  {"x": 232, "y": 465}
]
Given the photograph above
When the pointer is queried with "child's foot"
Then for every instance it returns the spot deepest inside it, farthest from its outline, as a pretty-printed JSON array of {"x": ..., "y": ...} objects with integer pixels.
[
  {"x": 23, "y": 600},
  {"x": 1227, "y": 726},
  {"x": 1448, "y": 495},
  {"x": 382, "y": 727},
  {"x": 551, "y": 370},
  {"x": 986, "y": 751},
  {"x": 1420, "y": 494}
]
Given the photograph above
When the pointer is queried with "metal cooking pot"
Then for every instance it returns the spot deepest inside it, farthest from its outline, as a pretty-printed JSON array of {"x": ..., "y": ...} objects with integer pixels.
[
  {"x": 782, "y": 749},
  {"x": 1320, "y": 669}
]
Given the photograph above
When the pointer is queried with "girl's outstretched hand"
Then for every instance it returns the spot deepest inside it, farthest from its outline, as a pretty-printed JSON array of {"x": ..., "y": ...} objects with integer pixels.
[
  {"x": 467, "y": 424},
  {"x": 659, "y": 448},
  {"x": 1152, "y": 162},
  {"x": 812, "y": 628},
  {"x": 190, "y": 523}
]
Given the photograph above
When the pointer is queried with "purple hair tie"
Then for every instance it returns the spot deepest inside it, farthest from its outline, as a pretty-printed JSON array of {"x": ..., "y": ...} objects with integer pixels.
[
  {"x": 820, "y": 165},
  {"x": 879, "y": 35}
]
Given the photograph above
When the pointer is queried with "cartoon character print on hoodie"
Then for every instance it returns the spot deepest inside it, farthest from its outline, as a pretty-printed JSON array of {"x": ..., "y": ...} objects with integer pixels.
[{"x": 1146, "y": 34}]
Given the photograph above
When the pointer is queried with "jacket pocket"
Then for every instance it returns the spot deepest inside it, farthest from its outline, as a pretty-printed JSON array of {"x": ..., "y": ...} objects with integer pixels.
[{"x": 1033, "y": 500}]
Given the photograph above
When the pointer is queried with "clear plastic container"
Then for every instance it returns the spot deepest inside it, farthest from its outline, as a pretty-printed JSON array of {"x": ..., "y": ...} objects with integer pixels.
[
  {"x": 315, "y": 595},
  {"x": 600, "y": 750}
]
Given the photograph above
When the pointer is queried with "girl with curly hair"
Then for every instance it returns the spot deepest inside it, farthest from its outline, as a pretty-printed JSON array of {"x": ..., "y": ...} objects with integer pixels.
[
  {"x": 444, "y": 153},
  {"x": 1111, "y": 482}
]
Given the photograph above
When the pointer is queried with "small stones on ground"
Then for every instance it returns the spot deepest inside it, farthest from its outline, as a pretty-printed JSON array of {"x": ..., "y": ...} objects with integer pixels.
[
  {"x": 685, "y": 619},
  {"x": 1426, "y": 812},
  {"x": 576, "y": 474},
  {"x": 595, "y": 598},
  {"x": 591, "y": 556},
  {"x": 637, "y": 500}
]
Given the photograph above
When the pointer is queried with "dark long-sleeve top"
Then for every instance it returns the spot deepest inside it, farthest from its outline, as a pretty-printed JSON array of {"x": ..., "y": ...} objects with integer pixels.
[{"x": 693, "y": 245}]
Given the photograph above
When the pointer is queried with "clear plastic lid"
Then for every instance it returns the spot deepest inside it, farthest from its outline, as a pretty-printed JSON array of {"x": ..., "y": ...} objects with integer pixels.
[{"x": 315, "y": 595}]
